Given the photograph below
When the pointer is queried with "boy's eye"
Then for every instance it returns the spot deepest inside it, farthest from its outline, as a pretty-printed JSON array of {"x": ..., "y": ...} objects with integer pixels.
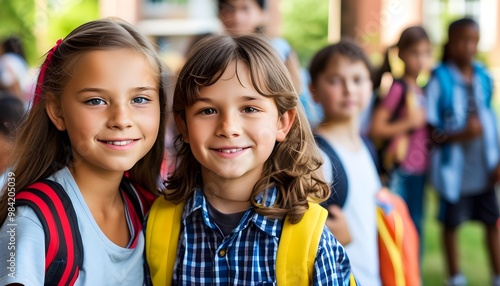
[
  {"x": 140, "y": 100},
  {"x": 250, "y": 110},
  {"x": 208, "y": 111},
  {"x": 95, "y": 101},
  {"x": 361, "y": 79},
  {"x": 334, "y": 80}
]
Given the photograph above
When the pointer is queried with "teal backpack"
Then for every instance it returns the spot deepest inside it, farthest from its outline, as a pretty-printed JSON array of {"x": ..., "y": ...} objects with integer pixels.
[
  {"x": 446, "y": 83},
  {"x": 445, "y": 103}
]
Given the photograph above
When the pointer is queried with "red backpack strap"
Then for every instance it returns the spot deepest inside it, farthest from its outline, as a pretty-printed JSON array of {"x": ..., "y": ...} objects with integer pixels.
[
  {"x": 140, "y": 197},
  {"x": 63, "y": 242}
]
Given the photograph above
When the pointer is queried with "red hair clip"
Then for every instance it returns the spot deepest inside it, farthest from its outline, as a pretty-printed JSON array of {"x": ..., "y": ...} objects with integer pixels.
[{"x": 39, "y": 82}]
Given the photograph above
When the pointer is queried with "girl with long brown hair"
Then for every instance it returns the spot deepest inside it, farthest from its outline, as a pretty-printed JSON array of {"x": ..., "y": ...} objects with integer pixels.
[{"x": 95, "y": 129}]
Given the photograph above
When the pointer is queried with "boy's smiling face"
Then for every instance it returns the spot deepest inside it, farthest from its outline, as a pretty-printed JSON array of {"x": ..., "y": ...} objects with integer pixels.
[{"x": 232, "y": 129}]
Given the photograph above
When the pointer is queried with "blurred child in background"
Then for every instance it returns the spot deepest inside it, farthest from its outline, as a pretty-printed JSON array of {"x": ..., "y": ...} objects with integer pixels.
[
  {"x": 243, "y": 17},
  {"x": 399, "y": 123},
  {"x": 341, "y": 83},
  {"x": 240, "y": 17},
  {"x": 11, "y": 113},
  {"x": 13, "y": 67},
  {"x": 465, "y": 162}
]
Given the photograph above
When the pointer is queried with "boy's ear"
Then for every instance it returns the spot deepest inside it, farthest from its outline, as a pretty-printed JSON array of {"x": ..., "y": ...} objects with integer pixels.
[
  {"x": 285, "y": 122},
  {"x": 181, "y": 127},
  {"x": 54, "y": 111}
]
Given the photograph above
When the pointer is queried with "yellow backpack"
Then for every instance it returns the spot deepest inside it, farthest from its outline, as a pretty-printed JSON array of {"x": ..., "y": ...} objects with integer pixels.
[{"x": 294, "y": 263}]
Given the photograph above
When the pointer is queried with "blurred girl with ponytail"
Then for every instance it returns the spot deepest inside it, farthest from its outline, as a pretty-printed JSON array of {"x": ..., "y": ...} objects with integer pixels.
[{"x": 399, "y": 126}]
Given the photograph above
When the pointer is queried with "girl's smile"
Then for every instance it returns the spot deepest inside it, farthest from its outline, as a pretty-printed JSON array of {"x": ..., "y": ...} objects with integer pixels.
[
  {"x": 109, "y": 109},
  {"x": 120, "y": 145}
]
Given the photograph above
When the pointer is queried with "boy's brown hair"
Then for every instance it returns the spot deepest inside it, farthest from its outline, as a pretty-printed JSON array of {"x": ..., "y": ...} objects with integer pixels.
[
  {"x": 345, "y": 48},
  {"x": 293, "y": 167}
]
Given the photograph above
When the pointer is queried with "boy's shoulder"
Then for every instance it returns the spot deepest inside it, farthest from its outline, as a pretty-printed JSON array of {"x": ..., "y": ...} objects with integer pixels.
[
  {"x": 450, "y": 68},
  {"x": 482, "y": 70}
]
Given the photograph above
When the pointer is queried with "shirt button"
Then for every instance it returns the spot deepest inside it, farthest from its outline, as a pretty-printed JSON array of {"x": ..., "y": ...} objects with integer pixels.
[{"x": 222, "y": 252}]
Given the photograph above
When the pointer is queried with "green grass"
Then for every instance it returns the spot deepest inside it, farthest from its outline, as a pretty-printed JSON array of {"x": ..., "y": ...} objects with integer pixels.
[{"x": 474, "y": 260}]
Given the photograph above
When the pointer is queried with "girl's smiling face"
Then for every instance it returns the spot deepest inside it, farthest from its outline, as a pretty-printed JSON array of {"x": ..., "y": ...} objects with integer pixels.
[
  {"x": 232, "y": 129},
  {"x": 110, "y": 110}
]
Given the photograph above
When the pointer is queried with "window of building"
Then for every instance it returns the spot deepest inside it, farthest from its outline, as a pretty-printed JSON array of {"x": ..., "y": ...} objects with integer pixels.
[{"x": 438, "y": 14}]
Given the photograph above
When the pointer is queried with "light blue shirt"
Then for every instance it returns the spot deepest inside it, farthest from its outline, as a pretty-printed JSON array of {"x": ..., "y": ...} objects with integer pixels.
[
  {"x": 104, "y": 262},
  {"x": 448, "y": 175}
]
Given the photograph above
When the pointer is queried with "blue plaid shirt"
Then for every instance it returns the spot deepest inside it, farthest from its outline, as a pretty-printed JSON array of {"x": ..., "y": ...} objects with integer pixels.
[{"x": 248, "y": 255}]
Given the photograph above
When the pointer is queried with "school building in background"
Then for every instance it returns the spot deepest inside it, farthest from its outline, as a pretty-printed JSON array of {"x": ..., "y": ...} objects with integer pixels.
[{"x": 375, "y": 23}]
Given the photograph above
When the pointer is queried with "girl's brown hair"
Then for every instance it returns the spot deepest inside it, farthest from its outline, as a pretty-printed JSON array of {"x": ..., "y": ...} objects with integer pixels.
[
  {"x": 409, "y": 37},
  {"x": 293, "y": 167},
  {"x": 41, "y": 149}
]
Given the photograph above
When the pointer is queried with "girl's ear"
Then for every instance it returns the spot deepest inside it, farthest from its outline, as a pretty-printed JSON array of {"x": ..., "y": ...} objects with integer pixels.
[
  {"x": 54, "y": 111},
  {"x": 181, "y": 127},
  {"x": 285, "y": 122}
]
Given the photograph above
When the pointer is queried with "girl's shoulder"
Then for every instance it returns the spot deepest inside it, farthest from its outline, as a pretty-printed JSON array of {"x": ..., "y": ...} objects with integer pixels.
[
  {"x": 26, "y": 241},
  {"x": 140, "y": 197}
]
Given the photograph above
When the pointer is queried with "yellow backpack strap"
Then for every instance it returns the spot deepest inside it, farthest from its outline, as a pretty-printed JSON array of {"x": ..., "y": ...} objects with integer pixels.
[
  {"x": 162, "y": 235},
  {"x": 394, "y": 246},
  {"x": 295, "y": 263},
  {"x": 352, "y": 280}
]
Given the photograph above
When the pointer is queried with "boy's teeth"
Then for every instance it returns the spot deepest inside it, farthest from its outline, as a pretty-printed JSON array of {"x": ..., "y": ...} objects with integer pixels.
[
  {"x": 119, "y": 143},
  {"x": 230, "y": 150}
]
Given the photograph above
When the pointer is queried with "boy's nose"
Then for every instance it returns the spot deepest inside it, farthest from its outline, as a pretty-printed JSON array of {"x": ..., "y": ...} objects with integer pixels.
[
  {"x": 349, "y": 87},
  {"x": 228, "y": 126},
  {"x": 120, "y": 117}
]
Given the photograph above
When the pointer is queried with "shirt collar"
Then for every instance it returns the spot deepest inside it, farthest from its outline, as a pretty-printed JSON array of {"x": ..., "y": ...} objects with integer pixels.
[
  {"x": 197, "y": 205},
  {"x": 458, "y": 78}
]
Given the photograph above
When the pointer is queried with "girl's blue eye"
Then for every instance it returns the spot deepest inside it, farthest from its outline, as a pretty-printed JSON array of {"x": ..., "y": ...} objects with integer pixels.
[
  {"x": 95, "y": 101},
  {"x": 250, "y": 110},
  {"x": 208, "y": 111},
  {"x": 140, "y": 100}
]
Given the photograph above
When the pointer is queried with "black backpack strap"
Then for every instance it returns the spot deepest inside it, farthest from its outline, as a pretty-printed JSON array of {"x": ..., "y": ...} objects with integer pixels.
[
  {"x": 340, "y": 184},
  {"x": 63, "y": 242},
  {"x": 402, "y": 101},
  {"x": 133, "y": 194}
]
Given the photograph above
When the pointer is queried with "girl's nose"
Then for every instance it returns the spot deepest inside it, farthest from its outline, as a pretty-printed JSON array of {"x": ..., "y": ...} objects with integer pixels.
[{"x": 120, "y": 117}]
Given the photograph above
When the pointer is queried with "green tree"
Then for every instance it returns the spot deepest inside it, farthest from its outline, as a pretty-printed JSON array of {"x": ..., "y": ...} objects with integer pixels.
[
  {"x": 66, "y": 15},
  {"x": 39, "y": 23},
  {"x": 18, "y": 19},
  {"x": 305, "y": 26}
]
